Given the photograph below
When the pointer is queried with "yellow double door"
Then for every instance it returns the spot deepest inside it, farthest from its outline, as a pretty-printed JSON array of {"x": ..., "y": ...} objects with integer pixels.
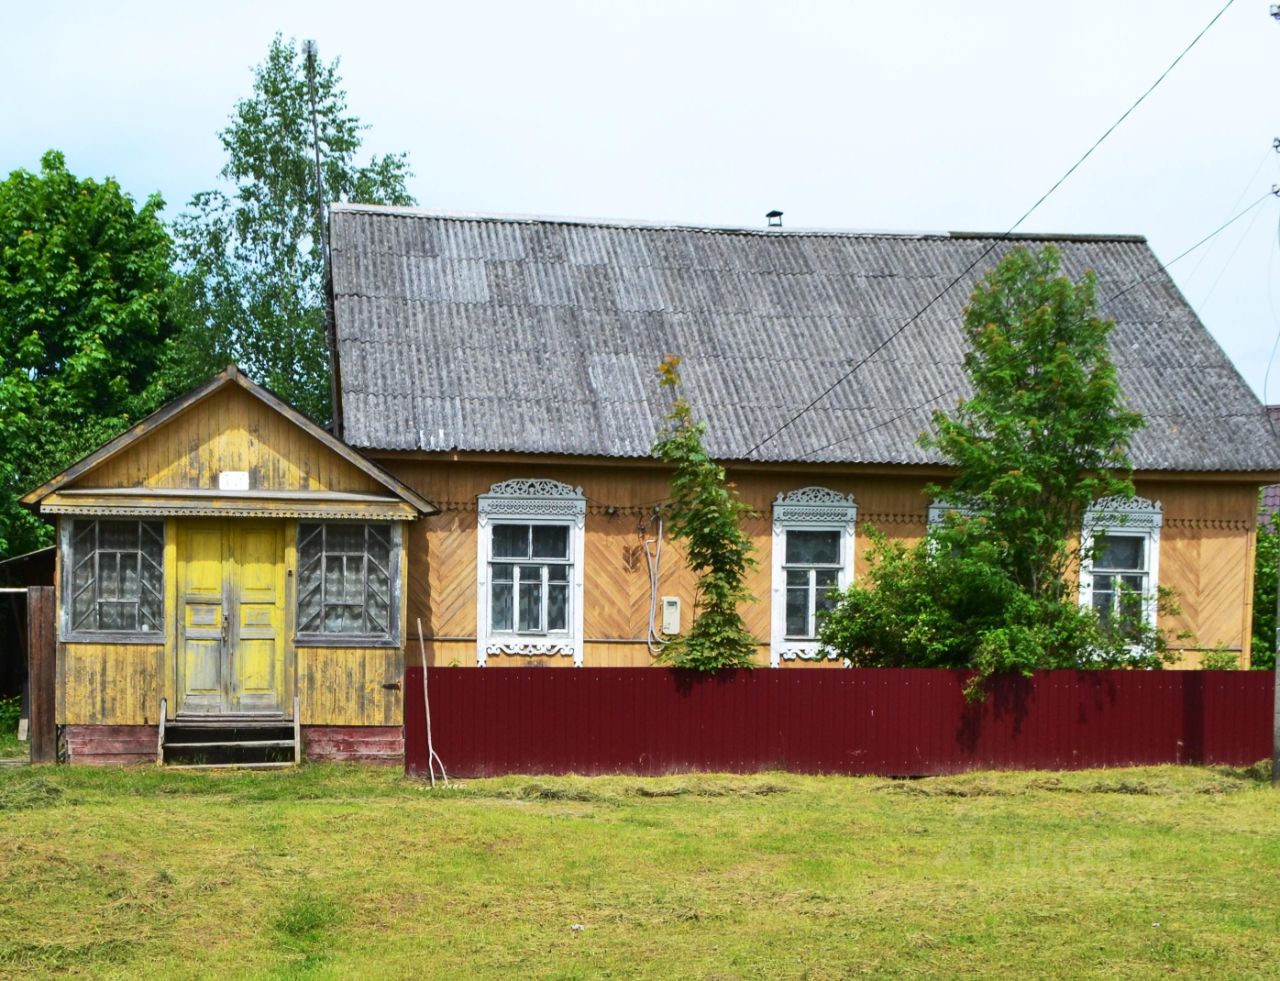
[{"x": 231, "y": 650}]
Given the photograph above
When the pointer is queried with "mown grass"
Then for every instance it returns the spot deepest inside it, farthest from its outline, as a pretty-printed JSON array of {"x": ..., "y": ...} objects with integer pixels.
[{"x": 358, "y": 872}]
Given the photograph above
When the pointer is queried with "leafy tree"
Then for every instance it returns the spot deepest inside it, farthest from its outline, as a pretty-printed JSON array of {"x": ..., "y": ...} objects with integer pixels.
[
  {"x": 1045, "y": 433},
  {"x": 1263, "y": 648},
  {"x": 252, "y": 253},
  {"x": 85, "y": 309},
  {"x": 706, "y": 513},
  {"x": 1042, "y": 437}
]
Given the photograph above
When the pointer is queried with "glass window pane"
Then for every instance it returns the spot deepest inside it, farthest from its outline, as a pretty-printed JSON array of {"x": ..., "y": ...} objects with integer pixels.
[
  {"x": 558, "y": 607},
  {"x": 109, "y": 617},
  {"x": 550, "y": 542},
  {"x": 531, "y": 573},
  {"x": 813, "y": 548},
  {"x": 798, "y": 577},
  {"x": 118, "y": 535},
  {"x": 511, "y": 541},
  {"x": 557, "y": 573},
  {"x": 798, "y": 612},
  {"x": 500, "y": 606},
  {"x": 503, "y": 572},
  {"x": 1120, "y": 552},
  {"x": 129, "y": 576},
  {"x": 344, "y": 538},
  {"x": 530, "y": 604},
  {"x": 108, "y": 576},
  {"x": 826, "y": 579}
]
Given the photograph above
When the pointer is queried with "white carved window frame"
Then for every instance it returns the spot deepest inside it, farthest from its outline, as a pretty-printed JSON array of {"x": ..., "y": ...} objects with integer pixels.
[
  {"x": 1137, "y": 517},
  {"x": 806, "y": 509},
  {"x": 530, "y": 502}
]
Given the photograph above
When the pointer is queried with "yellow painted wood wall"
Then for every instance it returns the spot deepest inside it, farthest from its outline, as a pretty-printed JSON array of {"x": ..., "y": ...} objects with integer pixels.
[
  {"x": 347, "y": 686},
  {"x": 1206, "y": 552},
  {"x": 231, "y": 430},
  {"x": 110, "y": 684}
]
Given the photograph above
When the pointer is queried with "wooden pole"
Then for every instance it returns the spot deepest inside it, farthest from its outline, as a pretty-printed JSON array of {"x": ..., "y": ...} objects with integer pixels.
[{"x": 41, "y": 673}]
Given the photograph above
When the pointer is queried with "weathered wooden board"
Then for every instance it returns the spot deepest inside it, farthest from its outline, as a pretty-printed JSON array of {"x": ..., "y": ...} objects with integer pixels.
[
  {"x": 231, "y": 430},
  {"x": 101, "y": 744},
  {"x": 350, "y": 687},
  {"x": 111, "y": 684},
  {"x": 354, "y": 744},
  {"x": 42, "y": 673}
]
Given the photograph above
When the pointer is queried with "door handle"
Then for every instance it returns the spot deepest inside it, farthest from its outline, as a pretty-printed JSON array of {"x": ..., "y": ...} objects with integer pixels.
[{"x": 224, "y": 628}]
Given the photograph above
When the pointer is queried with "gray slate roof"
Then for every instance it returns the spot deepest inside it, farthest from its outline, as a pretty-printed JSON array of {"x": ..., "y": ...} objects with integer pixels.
[{"x": 480, "y": 333}]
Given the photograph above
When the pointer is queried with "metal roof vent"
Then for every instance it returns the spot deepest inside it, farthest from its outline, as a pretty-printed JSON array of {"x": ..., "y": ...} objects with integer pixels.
[{"x": 774, "y": 218}]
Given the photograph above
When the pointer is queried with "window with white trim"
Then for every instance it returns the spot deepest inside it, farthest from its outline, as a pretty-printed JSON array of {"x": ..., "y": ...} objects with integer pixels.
[
  {"x": 1119, "y": 575},
  {"x": 812, "y": 559},
  {"x": 529, "y": 562},
  {"x": 113, "y": 585}
]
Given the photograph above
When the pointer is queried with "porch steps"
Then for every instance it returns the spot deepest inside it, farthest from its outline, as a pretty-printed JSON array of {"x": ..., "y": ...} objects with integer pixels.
[{"x": 229, "y": 742}]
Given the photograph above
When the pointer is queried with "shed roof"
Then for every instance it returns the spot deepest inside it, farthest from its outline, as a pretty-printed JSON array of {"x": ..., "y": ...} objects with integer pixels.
[{"x": 540, "y": 335}]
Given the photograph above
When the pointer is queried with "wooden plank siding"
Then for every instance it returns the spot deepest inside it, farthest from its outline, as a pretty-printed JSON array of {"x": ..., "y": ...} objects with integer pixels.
[
  {"x": 111, "y": 684},
  {"x": 1205, "y": 554},
  {"x": 350, "y": 686},
  {"x": 231, "y": 431}
]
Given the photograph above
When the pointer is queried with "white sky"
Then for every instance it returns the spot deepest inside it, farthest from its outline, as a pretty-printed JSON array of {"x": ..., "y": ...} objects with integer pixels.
[{"x": 930, "y": 115}]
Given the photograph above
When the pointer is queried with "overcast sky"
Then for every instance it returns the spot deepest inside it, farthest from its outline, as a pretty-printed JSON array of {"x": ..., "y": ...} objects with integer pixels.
[{"x": 859, "y": 115}]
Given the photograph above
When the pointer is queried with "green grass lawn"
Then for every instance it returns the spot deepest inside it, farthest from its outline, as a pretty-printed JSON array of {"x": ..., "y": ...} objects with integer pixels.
[{"x": 359, "y": 872}]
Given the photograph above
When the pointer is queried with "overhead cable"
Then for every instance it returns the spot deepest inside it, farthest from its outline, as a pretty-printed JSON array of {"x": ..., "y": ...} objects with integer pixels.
[{"x": 997, "y": 240}]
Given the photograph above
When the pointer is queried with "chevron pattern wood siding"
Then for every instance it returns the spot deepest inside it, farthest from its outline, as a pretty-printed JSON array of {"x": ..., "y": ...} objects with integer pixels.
[{"x": 1206, "y": 551}]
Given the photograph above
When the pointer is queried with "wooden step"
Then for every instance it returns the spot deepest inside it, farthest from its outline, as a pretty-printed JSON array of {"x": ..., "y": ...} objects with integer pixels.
[
  {"x": 229, "y": 766},
  {"x": 237, "y": 743}
]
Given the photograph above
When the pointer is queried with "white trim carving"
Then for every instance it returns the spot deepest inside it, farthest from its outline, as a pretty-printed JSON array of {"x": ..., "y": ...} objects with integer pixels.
[
  {"x": 813, "y": 653},
  {"x": 531, "y": 501},
  {"x": 1137, "y": 516},
  {"x": 806, "y": 509},
  {"x": 530, "y": 649},
  {"x": 939, "y": 510},
  {"x": 814, "y": 504}
]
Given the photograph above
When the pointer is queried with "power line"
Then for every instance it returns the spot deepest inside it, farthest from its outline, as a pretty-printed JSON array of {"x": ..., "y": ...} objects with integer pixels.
[
  {"x": 1162, "y": 268},
  {"x": 987, "y": 251}
]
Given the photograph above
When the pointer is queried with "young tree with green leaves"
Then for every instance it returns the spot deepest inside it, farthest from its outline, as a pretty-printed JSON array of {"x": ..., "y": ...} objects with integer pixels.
[
  {"x": 1263, "y": 648},
  {"x": 86, "y": 305},
  {"x": 1042, "y": 437},
  {"x": 252, "y": 253},
  {"x": 706, "y": 513}
]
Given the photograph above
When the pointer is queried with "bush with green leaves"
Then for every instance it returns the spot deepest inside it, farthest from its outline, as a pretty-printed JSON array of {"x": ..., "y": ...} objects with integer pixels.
[
  {"x": 1263, "y": 648},
  {"x": 1041, "y": 438},
  {"x": 706, "y": 513}
]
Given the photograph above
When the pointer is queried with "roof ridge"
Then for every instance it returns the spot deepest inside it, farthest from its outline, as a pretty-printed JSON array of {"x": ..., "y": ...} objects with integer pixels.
[{"x": 406, "y": 211}]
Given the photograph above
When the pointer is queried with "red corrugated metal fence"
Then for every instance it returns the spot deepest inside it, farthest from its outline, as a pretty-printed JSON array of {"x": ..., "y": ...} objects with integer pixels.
[{"x": 879, "y": 721}]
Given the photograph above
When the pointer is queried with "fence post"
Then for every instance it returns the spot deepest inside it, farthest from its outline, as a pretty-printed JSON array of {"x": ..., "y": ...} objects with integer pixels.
[{"x": 41, "y": 673}]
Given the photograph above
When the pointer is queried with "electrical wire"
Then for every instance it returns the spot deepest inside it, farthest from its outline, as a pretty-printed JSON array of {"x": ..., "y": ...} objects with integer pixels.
[
  {"x": 987, "y": 251},
  {"x": 1268, "y": 152},
  {"x": 1271, "y": 360},
  {"x": 1161, "y": 268}
]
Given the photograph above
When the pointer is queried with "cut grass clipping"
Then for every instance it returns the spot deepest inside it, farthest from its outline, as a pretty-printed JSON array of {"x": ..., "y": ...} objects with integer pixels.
[{"x": 354, "y": 872}]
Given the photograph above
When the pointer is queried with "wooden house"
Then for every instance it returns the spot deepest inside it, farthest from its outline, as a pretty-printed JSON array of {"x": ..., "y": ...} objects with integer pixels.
[
  {"x": 230, "y": 569},
  {"x": 490, "y": 474}
]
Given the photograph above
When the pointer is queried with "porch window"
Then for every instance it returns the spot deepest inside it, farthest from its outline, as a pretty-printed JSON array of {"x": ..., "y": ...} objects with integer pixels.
[
  {"x": 529, "y": 597},
  {"x": 813, "y": 530},
  {"x": 348, "y": 583},
  {"x": 114, "y": 585}
]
